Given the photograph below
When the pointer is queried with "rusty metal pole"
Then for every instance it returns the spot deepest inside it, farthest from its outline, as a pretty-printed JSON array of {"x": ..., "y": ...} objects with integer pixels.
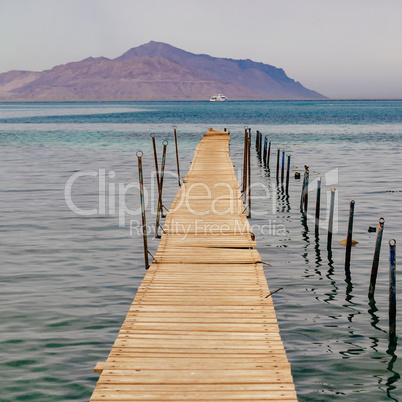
[
  {"x": 268, "y": 154},
  {"x": 142, "y": 200},
  {"x": 245, "y": 160},
  {"x": 278, "y": 155},
  {"x": 262, "y": 151},
  {"x": 376, "y": 258},
  {"x": 177, "y": 155},
  {"x": 152, "y": 135},
  {"x": 164, "y": 143},
  {"x": 159, "y": 211},
  {"x": 392, "y": 288},
  {"x": 249, "y": 177},
  {"x": 249, "y": 133},
  {"x": 257, "y": 140},
  {"x": 318, "y": 206},
  {"x": 349, "y": 236},
  {"x": 331, "y": 219},
  {"x": 261, "y": 146},
  {"x": 287, "y": 175},
  {"x": 305, "y": 197},
  {"x": 302, "y": 192}
]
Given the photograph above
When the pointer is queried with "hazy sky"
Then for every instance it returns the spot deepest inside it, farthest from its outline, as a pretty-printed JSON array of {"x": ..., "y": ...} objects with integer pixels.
[{"x": 341, "y": 48}]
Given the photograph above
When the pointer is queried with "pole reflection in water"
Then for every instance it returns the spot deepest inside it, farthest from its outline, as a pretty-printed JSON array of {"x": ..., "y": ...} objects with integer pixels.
[
  {"x": 392, "y": 345},
  {"x": 282, "y": 199},
  {"x": 374, "y": 317},
  {"x": 349, "y": 286},
  {"x": 331, "y": 295},
  {"x": 305, "y": 237},
  {"x": 317, "y": 250}
]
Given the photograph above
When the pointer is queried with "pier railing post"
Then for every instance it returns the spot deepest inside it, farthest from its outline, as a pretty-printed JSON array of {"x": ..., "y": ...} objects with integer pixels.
[
  {"x": 376, "y": 258},
  {"x": 177, "y": 154},
  {"x": 159, "y": 210},
  {"x": 349, "y": 236},
  {"x": 392, "y": 288},
  {"x": 287, "y": 175},
  {"x": 142, "y": 200},
  {"x": 305, "y": 198},
  {"x": 261, "y": 145},
  {"x": 278, "y": 155},
  {"x": 268, "y": 154},
  {"x": 245, "y": 160},
  {"x": 249, "y": 176},
  {"x": 331, "y": 219},
  {"x": 318, "y": 206},
  {"x": 257, "y": 141},
  {"x": 152, "y": 135},
  {"x": 304, "y": 194}
]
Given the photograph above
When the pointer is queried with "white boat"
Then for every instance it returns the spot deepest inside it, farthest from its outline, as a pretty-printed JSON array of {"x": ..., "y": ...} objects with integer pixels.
[{"x": 218, "y": 98}]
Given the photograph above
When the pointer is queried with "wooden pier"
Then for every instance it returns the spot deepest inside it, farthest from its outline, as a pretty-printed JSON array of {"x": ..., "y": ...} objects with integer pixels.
[{"x": 201, "y": 327}]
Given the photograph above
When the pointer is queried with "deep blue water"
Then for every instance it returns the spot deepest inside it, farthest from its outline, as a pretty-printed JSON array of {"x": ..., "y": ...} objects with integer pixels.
[
  {"x": 67, "y": 280},
  {"x": 257, "y": 112}
]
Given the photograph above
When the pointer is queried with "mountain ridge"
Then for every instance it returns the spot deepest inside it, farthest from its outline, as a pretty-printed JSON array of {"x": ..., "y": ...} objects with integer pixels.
[{"x": 153, "y": 71}]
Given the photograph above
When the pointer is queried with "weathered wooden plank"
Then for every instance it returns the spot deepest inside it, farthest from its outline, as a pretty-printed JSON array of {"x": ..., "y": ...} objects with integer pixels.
[
  {"x": 209, "y": 345},
  {"x": 183, "y": 318},
  {"x": 188, "y": 395},
  {"x": 191, "y": 352},
  {"x": 176, "y": 364},
  {"x": 223, "y": 362},
  {"x": 197, "y": 388},
  {"x": 195, "y": 376},
  {"x": 130, "y": 332}
]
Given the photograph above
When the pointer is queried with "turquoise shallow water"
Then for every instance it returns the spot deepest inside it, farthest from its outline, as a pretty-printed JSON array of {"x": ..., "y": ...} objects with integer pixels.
[{"x": 67, "y": 280}]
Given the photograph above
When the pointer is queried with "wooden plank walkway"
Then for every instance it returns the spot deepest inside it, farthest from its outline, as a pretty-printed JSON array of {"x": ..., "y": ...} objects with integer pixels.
[{"x": 200, "y": 327}]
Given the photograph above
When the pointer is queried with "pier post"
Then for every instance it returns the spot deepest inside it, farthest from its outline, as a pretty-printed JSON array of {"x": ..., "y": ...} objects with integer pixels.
[
  {"x": 376, "y": 258},
  {"x": 304, "y": 194},
  {"x": 392, "y": 288},
  {"x": 144, "y": 222},
  {"x": 258, "y": 143},
  {"x": 287, "y": 175},
  {"x": 278, "y": 154},
  {"x": 177, "y": 155},
  {"x": 283, "y": 167},
  {"x": 318, "y": 206},
  {"x": 249, "y": 176},
  {"x": 268, "y": 154},
  {"x": 331, "y": 219},
  {"x": 349, "y": 236},
  {"x": 152, "y": 135},
  {"x": 245, "y": 160},
  {"x": 256, "y": 140},
  {"x": 305, "y": 197},
  {"x": 159, "y": 210}
]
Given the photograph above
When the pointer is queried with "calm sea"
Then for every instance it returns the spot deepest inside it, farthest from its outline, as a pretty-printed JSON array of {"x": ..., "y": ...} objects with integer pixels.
[{"x": 71, "y": 254}]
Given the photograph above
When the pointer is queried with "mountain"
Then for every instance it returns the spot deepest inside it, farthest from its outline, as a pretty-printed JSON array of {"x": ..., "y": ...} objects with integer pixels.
[{"x": 154, "y": 71}]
